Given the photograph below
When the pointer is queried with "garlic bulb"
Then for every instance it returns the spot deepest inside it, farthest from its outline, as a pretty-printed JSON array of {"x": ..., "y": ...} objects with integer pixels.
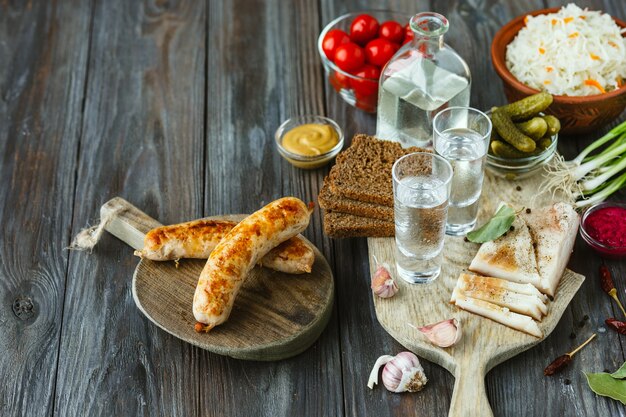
[
  {"x": 402, "y": 372},
  {"x": 383, "y": 285},
  {"x": 443, "y": 334}
]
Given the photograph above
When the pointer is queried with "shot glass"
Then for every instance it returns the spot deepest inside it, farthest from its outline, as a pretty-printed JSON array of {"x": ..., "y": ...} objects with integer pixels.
[
  {"x": 421, "y": 189},
  {"x": 461, "y": 135}
]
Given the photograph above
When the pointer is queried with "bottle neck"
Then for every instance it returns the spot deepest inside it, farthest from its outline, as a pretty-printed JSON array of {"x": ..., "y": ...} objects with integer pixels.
[
  {"x": 428, "y": 30},
  {"x": 429, "y": 44}
]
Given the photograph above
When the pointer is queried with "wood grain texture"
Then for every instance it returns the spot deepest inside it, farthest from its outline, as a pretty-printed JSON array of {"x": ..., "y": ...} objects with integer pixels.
[
  {"x": 509, "y": 389},
  {"x": 148, "y": 132},
  {"x": 516, "y": 388},
  {"x": 362, "y": 338},
  {"x": 263, "y": 68},
  {"x": 142, "y": 138},
  {"x": 276, "y": 315},
  {"x": 42, "y": 77},
  {"x": 485, "y": 343}
]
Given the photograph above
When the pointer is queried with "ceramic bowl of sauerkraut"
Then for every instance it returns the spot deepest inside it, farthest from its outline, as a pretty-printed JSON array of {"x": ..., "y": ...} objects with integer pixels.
[{"x": 577, "y": 55}]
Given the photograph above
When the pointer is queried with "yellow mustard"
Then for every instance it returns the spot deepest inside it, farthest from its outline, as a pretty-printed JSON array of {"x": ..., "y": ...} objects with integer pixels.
[{"x": 310, "y": 139}]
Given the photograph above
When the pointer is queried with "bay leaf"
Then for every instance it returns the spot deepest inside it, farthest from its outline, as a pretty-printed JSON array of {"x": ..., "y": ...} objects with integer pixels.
[
  {"x": 496, "y": 226},
  {"x": 620, "y": 373},
  {"x": 605, "y": 385}
]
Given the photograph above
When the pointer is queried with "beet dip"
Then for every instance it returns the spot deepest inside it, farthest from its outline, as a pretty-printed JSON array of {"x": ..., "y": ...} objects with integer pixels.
[{"x": 607, "y": 225}]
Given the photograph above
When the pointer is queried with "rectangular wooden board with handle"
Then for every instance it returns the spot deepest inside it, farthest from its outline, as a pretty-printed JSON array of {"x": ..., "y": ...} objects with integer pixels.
[{"x": 484, "y": 343}]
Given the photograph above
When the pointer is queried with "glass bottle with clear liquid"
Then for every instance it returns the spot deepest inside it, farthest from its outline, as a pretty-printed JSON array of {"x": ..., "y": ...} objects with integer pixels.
[{"x": 424, "y": 77}]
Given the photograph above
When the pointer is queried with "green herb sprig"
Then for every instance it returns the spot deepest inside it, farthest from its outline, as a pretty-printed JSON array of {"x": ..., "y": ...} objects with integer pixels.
[
  {"x": 609, "y": 385},
  {"x": 498, "y": 225}
]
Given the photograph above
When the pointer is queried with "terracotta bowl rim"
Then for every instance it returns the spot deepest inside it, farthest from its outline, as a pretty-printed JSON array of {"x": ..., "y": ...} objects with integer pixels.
[{"x": 498, "y": 62}]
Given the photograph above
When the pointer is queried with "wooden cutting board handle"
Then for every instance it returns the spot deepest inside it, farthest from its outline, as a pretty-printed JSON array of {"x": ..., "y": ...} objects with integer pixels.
[
  {"x": 469, "y": 398},
  {"x": 127, "y": 222}
]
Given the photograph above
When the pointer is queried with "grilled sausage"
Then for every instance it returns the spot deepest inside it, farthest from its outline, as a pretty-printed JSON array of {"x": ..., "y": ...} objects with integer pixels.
[
  {"x": 238, "y": 252},
  {"x": 197, "y": 239}
]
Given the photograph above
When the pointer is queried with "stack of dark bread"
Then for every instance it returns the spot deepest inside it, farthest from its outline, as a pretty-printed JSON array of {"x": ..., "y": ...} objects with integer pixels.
[{"x": 357, "y": 194}]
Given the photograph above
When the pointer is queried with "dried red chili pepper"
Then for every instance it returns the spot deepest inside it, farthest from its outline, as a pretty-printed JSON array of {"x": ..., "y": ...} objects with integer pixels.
[
  {"x": 557, "y": 365},
  {"x": 561, "y": 362},
  {"x": 605, "y": 280},
  {"x": 607, "y": 285},
  {"x": 618, "y": 326}
]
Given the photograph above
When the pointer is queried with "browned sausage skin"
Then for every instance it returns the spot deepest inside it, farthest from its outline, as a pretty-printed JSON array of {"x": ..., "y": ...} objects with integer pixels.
[
  {"x": 197, "y": 239},
  {"x": 238, "y": 252}
]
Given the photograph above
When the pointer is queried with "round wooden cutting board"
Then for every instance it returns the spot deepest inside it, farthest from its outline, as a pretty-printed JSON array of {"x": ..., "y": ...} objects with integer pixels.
[{"x": 275, "y": 316}]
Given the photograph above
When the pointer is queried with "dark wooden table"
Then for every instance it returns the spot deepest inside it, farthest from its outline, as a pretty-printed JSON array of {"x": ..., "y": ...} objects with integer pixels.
[{"x": 173, "y": 105}]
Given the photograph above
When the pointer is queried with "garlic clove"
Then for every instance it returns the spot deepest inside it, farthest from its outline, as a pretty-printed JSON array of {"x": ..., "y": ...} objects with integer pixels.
[
  {"x": 373, "y": 379},
  {"x": 383, "y": 284},
  {"x": 402, "y": 372},
  {"x": 443, "y": 334}
]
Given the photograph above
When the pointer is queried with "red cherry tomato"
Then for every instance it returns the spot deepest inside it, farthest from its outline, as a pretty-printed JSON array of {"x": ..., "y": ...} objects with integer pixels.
[
  {"x": 364, "y": 28},
  {"x": 339, "y": 81},
  {"x": 332, "y": 40},
  {"x": 392, "y": 31},
  {"x": 349, "y": 56},
  {"x": 379, "y": 51},
  {"x": 408, "y": 34},
  {"x": 367, "y": 103},
  {"x": 369, "y": 86}
]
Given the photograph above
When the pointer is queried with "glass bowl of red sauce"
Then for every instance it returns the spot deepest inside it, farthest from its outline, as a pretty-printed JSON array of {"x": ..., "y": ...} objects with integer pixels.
[{"x": 603, "y": 227}]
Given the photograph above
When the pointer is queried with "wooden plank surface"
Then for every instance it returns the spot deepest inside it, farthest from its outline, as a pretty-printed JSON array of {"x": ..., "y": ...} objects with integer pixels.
[
  {"x": 472, "y": 26},
  {"x": 361, "y": 336},
  {"x": 42, "y": 77},
  {"x": 174, "y": 105},
  {"x": 142, "y": 138},
  {"x": 262, "y": 70},
  {"x": 567, "y": 394}
]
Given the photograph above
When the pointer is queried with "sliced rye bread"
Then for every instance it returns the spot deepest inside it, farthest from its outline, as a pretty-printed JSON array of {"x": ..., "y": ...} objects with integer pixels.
[
  {"x": 363, "y": 171},
  {"x": 340, "y": 225},
  {"x": 330, "y": 201}
]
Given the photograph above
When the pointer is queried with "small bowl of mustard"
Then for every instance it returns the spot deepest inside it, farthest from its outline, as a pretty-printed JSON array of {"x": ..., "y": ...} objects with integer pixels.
[{"x": 309, "y": 142}]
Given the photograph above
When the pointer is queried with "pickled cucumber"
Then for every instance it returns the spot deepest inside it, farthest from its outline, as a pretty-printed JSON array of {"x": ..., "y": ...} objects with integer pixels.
[
  {"x": 494, "y": 135},
  {"x": 544, "y": 143},
  {"x": 506, "y": 129},
  {"x": 504, "y": 150},
  {"x": 535, "y": 128},
  {"x": 527, "y": 107},
  {"x": 554, "y": 125}
]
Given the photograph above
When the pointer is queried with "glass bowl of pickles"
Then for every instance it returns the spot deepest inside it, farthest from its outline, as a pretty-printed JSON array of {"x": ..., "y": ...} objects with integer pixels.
[{"x": 524, "y": 138}]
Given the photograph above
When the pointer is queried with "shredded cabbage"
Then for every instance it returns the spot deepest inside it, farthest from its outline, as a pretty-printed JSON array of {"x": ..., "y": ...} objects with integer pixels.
[{"x": 573, "y": 52}]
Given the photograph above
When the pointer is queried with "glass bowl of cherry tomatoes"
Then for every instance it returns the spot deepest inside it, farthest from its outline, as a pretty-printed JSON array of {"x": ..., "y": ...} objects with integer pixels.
[{"x": 355, "y": 47}]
